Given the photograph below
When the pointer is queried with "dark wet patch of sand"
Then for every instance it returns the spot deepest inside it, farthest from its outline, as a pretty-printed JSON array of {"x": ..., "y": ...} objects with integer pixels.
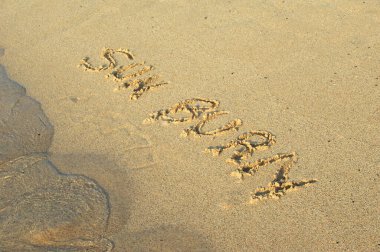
[{"x": 41, "y": 208}]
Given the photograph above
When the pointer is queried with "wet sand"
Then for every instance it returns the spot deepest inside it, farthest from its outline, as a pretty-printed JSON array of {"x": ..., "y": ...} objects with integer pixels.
[
  {"x": 40, "y": 207},
  {"x": 304, "y": 74}
]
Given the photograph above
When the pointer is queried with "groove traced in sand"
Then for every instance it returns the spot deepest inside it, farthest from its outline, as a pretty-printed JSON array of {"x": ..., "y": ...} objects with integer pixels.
[
  {"x": 118, "y": 74},
  {"x": 107, "y": 53},
  {"x": 143, "y": 86},
  {"x": 249, "y": 146},
  {"x": 280, "y": 185},
  {"x": 192, "y": 106},
  {"x": 139, "y": 80},
  {"x": 197, "y": 130}
]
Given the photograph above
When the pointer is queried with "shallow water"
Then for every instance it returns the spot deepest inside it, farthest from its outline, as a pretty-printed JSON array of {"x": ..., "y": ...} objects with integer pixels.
[{"x": 41, "y": 207}]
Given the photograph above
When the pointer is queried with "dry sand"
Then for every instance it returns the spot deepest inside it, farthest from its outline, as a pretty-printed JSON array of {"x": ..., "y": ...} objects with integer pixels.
[{"x": 306, "y": 71}]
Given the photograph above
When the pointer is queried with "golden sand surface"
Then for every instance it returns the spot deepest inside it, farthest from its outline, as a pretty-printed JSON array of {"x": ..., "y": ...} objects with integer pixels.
[{"x": 210, "y": 125}]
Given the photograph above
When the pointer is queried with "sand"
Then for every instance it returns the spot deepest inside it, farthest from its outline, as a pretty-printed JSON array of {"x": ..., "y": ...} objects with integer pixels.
[{"x": 302, "y": 76}]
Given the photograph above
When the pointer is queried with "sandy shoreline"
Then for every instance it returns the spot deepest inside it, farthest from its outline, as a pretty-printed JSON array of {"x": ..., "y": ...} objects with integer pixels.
[{"x": 307, "y": 72}]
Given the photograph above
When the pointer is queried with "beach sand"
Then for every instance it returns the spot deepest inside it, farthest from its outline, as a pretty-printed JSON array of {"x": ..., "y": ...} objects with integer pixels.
[{"x": 307, "y": 72}]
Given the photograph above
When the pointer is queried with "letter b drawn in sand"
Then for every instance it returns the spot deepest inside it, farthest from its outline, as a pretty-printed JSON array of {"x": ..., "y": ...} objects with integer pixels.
[{"x": 42, "y": 209}]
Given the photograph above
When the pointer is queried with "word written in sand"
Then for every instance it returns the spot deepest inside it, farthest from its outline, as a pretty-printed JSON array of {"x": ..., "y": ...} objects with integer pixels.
[
  {"x": 205, "y": 110},
  {"x": 134, "y": 75}
]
